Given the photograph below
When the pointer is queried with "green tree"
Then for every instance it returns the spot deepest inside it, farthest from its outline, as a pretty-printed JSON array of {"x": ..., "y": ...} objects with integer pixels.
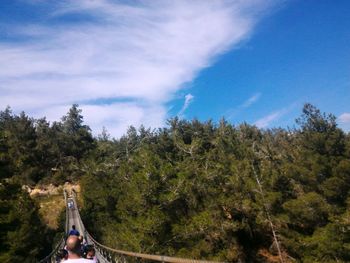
[
  {"x": 76, "y": 138},
  {"x": 22, "y": 235}
]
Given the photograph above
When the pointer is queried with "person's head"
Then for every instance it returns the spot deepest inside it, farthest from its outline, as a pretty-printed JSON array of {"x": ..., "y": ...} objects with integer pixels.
[
  {"x": 62, "y": 254},
  {"x": 90, "y": 251},
  {"x": 81, "y": 238},
  {"x": 73, "y": 227},
  {"x": 73, "y": 245}
]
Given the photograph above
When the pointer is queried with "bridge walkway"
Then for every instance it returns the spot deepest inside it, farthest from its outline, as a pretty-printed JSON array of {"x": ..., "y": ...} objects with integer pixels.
[
  {"x": 75, "y": 219},
  {"x": 105, "y": 254}
]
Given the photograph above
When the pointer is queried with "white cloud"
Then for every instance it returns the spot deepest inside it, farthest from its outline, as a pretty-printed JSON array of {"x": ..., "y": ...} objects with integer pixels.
[
  {"x": 344, "y": 118},
  {"x": 246, "y": 104},
  {"x": 188, "y": 99},
  {"x": 266, "y": 121},
  {"x": 251, "y": 100},
  {"x": 121, "y": 115},
  {"x": 142, "y": 52}
]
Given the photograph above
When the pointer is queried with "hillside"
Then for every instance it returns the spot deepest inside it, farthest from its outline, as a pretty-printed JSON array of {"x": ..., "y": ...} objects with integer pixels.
[
  {"x": 193, "y": 189},
  {"x": 51, "y": 202}
]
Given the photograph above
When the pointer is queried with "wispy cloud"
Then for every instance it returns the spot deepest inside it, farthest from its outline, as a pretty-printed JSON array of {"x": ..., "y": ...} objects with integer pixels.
[
  {"x": 251, "y": 100},
  {"x": 188, "y": 99},
  {"x": 142, "y": 52},
  {"x": 344, "y": 121},
  {"x": 246, "y": 104},
  {"x": 344, "y": 118},
  {"x": 267, "y": 120}
]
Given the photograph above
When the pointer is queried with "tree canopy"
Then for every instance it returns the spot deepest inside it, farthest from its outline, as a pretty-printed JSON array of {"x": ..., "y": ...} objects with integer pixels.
[
  {"x": 192, "y": 189},
  {"x": 223, "y": 192}
]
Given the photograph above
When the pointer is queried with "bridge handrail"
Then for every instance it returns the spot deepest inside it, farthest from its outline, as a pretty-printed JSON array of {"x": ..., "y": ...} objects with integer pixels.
[
  {"x": 122, "y": 253},
  {"x": 60, "y": 244},
  {"x": 82, "y": 226},
  {"x": 67, "y": 216},
  {"x": 106, "y": 251},
  {"x": 48, "y": 258},
  {"x": 149, "y": 256}
]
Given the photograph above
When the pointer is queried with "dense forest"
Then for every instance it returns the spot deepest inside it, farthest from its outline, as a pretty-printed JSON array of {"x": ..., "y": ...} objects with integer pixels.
[
  {"x": 192, "y": 189},
  {"x": 34, "y": 152}
]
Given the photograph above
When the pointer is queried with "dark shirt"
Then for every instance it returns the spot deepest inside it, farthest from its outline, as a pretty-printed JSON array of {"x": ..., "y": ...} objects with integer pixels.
[{"x": 74, "y": 232}]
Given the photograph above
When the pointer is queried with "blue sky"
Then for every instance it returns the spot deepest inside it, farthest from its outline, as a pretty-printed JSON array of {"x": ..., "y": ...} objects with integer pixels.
[
  {"x": 141, "y": 62},
  {"x": 301, "y": 53}
]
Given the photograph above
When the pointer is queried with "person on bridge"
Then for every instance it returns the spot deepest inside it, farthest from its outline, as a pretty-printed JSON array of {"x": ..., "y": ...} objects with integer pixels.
[
  {"x": 73, "y": 232},
  {"x": 62, "y": 255},
  {"x": 73, "y": 246},
  {"x": 90, "y": 253}
]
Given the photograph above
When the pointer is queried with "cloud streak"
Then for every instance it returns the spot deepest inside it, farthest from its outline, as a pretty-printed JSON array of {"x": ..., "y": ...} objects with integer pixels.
[
  {"x": 188, "y": 100},
  {"x": 246, "y": 104},
  {"x": 251, "y": 100},
  {"x": 267, "y": 120},
  {"x": 143, "y": 52},
  {"x": 344, "y": 118}
]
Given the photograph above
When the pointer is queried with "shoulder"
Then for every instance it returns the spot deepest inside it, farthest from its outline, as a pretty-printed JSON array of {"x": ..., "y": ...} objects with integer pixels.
[{"x": 79, "y": 260}]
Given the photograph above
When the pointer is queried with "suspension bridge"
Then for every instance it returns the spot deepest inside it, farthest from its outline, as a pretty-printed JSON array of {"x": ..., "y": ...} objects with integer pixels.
[{"x": 104, "y": 253}]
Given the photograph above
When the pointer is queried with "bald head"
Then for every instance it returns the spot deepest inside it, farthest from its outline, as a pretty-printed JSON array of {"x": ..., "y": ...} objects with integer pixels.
[{"x": 73, "y": 245}]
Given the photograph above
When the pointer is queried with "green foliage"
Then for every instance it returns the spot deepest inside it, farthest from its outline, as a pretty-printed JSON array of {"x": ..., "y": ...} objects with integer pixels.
[
  {"x": 196, "y": 189},
  {"x": 22, "y": 235},
  {"x": 307, "y": 211},
  {"x": 218, "y": 192},
  {"x": 31, "y": 152},
  {"x": 34, "y": 151}
]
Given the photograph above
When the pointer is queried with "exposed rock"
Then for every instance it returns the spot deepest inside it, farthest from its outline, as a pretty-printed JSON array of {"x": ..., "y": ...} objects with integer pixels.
[{"x": 51, "y": 189}]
